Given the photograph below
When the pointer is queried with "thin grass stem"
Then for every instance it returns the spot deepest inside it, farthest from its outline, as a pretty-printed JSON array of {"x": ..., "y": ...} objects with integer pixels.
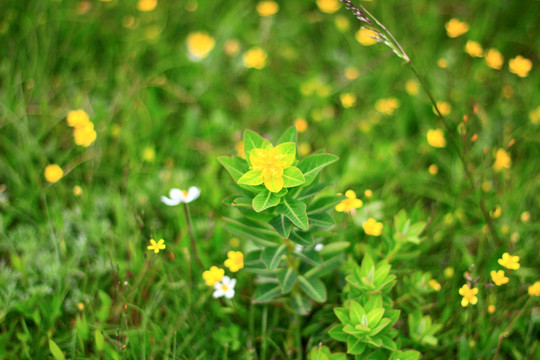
[{"x": 192, "y": 236}]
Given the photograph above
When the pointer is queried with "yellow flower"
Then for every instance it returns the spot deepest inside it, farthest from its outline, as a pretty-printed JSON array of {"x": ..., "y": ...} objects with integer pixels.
[
  {"x": 433, "y": 169},
  {"x": 347, "y": 100},
  {"x": 366, "y": 37},
  {"x": 53, "y": 173},
  {"x": 231, "y": 47},
  {"x": 85, "y": 136},
  {"x": 77, "y": 118},
  {"x": 352, "y": 73},
  {"x": 412, "y": 88},
  {"x": 435, "y": 138},
  {"x": 494, "y": 59},
  {"x": 496, "y": 213},
  {"x": 213, "y": 275},
  {"x": 444, "y": 107},
  {"x": 455, "y": 28},
  {"x": 534, "y": 290},
  {"x": 434, "y": 284},
  {"x": 146, "y": 5},
  {"x": 156, "y": 246},
  {"x": 372, "y": 227},
  {"x": 534, "y": 115},
  {"x": 350, "y": 204},
  {"x": 267, "y": 8},
  {"x": 328, "y": 6},
  {"x": 525, "y": 217},
  {"x": 509, "y": 261},
  {"x": 449, "y": 272},
  {"x": 255, "y": 58},
  {"x": 149, "y": 154},
  {"x": 520, "y": 66},
  {"x": 474, "y": 49},
  {"x": 469, "y": 295},
  {"x": 368, "y": 193},
  {"x": 77, "y": 190},
  {"x": 199, "y": 45},
  {"x": 235, "y": 261},
  {"x": 342, "y": 23},
  {"x": 387, "y": 106},
  {"x": 442, "y": 63},
  {"x": 301, "y": 125},
  {"x": 502, "y": 160},
  {"x": 499, "y": 278},
  {"x": 491, "y": 309}
]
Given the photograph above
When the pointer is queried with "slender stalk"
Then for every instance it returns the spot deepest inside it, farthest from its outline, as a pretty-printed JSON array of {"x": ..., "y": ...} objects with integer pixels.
[
  {"x": 508, "y": 329},
  {"x": 191, "y": 236},
  {"x": 264, "y": 344}
]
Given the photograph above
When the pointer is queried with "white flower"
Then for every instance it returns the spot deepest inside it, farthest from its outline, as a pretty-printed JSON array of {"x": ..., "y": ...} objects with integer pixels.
[
  {"x": 298, "y": 248},
  {"x": 178, "y": 196},
  {"x": 224, "y": 288},
  {"x": 319, "y": 247}
]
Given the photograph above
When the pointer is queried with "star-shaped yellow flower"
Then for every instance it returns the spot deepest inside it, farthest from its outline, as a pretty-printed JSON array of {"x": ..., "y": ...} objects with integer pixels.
[
  {"x": 499, "y": 278},
  {"x": 372, "y": 227},
  {"x": 156, "y": 246},
  {"x": 235, "y": 261},
  {"x": 509, "y": 261},
  {"x": 350, "y": 204},
  {"x": 469, "y": 295}
]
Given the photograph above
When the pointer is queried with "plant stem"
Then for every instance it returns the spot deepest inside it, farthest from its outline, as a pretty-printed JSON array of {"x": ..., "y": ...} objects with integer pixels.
[
  {"x": 264, "y": 344},
  {"x": 191, "y": 236},
  {"x": 508, "y": 329}
]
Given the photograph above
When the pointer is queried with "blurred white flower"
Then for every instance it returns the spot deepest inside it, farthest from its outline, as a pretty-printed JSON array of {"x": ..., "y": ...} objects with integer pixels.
[
  {"x": 224, "y": 288},
  {"x": 298, "y": 248},
  {"x": 319, "y": 247},
  {"x": 177, "y": 196}
]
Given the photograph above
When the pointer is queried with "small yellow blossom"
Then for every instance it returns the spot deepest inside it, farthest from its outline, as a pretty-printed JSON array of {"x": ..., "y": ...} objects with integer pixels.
[
  {"x": 78, "y": 118},
  {"x": 434, "y": 284},
  {"x": 235, "y": 261},
  {"x": 442, "y": 63},
  {"x": 449, "y": 272},
  {"x": 502, "y": 160},
  {"x": 534, "y": 116},
  {"x": 520, "y": 66},
  {"x": 455, "y": 28},
  {"x": 350, "y": 204},
  {"x": 366, "y": 37},
  {"x": 412, "y": 87},
  {"x": 301, "y": 125},
  {"x": 199, "y": 45},
  {"x": 387, "y": 106},
  {"x": 85, "y": 136},
  {"x": 498, "y": 277},
  {"x": 149, "y": 154},
  {"x": 368, "y": 193},
  {"x": 80, "y": 306},
  {"x": 352, "y": 73},
  {"x": 525, "y": 217},
  {"x": 146, "y": 5},
  {"x": 304, "y": 149},
  {"x": 474, "y": 49},
  {"x": 433, "y": 169},
  {"x": 213, "y": 275},
  {"x": 494, "y": 59},
  {"x": 53, "y": 173},
  {"x": 328, "y": 6},
  {"x": 77, "y": 190},
  {"x": 497, "y": 212},
  {"x": 156, "y": 246},
  {"x": 534, "y": 290},
  {"x": 231, "y": 47},
  {"x": 255, "y": 58},
  {"x": 435, "y": 138},
  {"x": 372, "y": 227},
  {"x": 444, "y": 107},
  {"x": 509, "y": 261},
  {"x": 342, "y": 23},
  {"x": 469, "y": 295},
  {"x": 491, "y": 309},
  {"x": 347, "y": 100},
  {"x": 267, "y": 8}
]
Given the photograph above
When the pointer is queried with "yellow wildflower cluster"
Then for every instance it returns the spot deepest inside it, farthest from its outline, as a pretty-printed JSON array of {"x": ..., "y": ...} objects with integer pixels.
[
  {"x": 199, "y": 45},
  {"x": 350, "y": 204},
  {"x": 387, "y": 106},
  {"x": 215, "y": 277},
  {"x": 434, "y": 284},
  {"x": 83, "y": 129}
]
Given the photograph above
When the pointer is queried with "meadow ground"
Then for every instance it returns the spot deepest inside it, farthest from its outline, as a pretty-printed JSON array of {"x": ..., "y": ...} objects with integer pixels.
[{"x": 107, "y": 105}]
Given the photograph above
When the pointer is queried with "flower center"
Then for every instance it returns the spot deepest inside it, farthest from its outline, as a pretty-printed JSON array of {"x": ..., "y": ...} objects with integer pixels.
[
  {"x": 185, "y": 193},
  {"x": 224, "y": 287}
]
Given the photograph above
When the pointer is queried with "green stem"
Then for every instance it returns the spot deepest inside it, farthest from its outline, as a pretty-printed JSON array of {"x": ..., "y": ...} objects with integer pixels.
[
  {"x": 191, "y": 236},
  {"x": 264, "y": 344},
  {"x": 508, "y": 329}
]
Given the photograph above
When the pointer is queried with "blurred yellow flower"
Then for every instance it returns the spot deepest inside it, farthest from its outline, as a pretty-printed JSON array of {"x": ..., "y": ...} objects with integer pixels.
[
  {"x": 498, "y": 277},
  {"x": 255, "y": 58},
  {"x": 502, "y": 160},
  {"x": 304, "y": 149},
  {"x": 434, "y": 284},
  {"x": 491, "y": 309},
  {"x": 149, "y": 154},
  {"x": 509, "y": 261},
  {"x": 301, "y": 125},
  {"x": 435, "y": 138},
  {"x": 85, "y": 136},
  {"x": 534, "y": 116},
  {"x": 342, "y": 23},
  {"x": 77, "y": 118},
  {"x": 442, "y": 63},
  {"x": 469, "y": 295},
  {"x": 534, "y": 290},
  {"x": 433, "y": 169},
  {"x": 156, "y": 246},
  {"x": 53, "y": 173},
  {"x": 267, "y": 8},
  {"x": 444, "y": 107},
  {"x": 199, "y": 45},
  {"x": 347, "y": 100},
  {"x": 213, "y": 275},
  {"x": 350, "y": 204},
  {"x": 368, "y": 193},
  {"x": 496, "y": 213},
  {"x": 232, "y": 47},
  {"x": 449, "y": 272},
  {"x": 520, "y": 66},
  {"x": 387, "y": 106},
  {"x": 494, "y": 59},
  {"x": 525, "y": 217},
  {"x": 455, "y": 28},
  {"x": 77, "y": 190},
  {"x": 412, "y": 87},
  {"x": 372, "y": 227},
  {"x": 474, "y": 49},
  {"x": 146, "y": 5},
  {"x": 352, "y": 73},
  {"x": 328, "y": 6},
  {"x": 235, "y": 261},
  {"x": 366, "y": 37}
]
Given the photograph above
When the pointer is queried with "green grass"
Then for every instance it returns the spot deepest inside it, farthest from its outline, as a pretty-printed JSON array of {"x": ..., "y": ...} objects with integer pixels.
[{"x": 58, "y": 250}]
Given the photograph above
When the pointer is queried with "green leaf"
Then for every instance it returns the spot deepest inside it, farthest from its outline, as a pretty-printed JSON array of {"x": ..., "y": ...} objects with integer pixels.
[
  {"x": 301, "y": 304},
  {"x": 325, "y": 267},
  {"x": 287, "y": 149},
  {"x": 264, "y": 200},
  {"x": 405, "y": 355},
  {"x": 252, "y": 140},
  {"x": 287, "y": 278},
  {"x": 324, "y": 203},
  {"x": 356, "y": 311},
  {"x": 321, "y": 219},
  {"x": 367, "y": 266},
  {"x": 56, "y": 351},
  {"x": 266, "y": 292},
  {"x": 337, "y": 333},
  {"x": 355, "y": 346},
  {"x": 313, "y": 287},
  {"x": 296, "y": 212},
  {"x": 374, "y": 316},
  {"x": 309, "y": 255},
  {"x": 252, "y": 177},
  {"x": 334, "y": 248},
  {"x": 234, "y": 165},
  {"x": 99, "y": 340},
  {"x": 382, "y": 324},
  {"x": 292, "y": 177},
  {"x": 313, "y": 164},
  {"x": 303, "y": 238},
  {"x": 282, "y": 225},
  {"x": 271, "y": 256},
  {"x": 343, "y": 315},
  {"x": 289, "y": 135},
  {"x": 245, "y": 229},
  {"x": 253, "y": 258}
]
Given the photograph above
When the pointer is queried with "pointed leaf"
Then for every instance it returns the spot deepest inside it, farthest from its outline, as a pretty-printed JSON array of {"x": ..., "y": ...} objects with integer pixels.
[
  {"x": 355, "y": 346},
  {"x": 296, "y": 212},
  {"x": 356, "y": 311},
  {"x": 289, "y": 135},
  {"x": 381, "y": 325},
  {"x": 287, "y": 278},
  {"x": 311, "y": 256},
  {"x": 374, "y": 316},
  {"x": 282, "y": 225},
  {"x": 301, "y": 304},
  {"x": 55, "y": 350},
  {"x": 246, "y": 229},
  {"x": 271, "y": 256},
  {"x": 252, "y": 140},
  {"x": 334, "y": 248},
  {"x": 264, "y": 200},
  {"x": 324, "y": 203},
  {"x": 311, "y": 191},
  {"x": 301, "y": 238},
  {"x": 313, "y": 164},
  {"x": 313, "y": 287},
  {"x": 234, "y": 165},
  {"x": 266, "y": 292},
  {"x": 343, "y": 315},
  {"x": 292, "y": 177},
  {"x": 321, "y": 219},
  {"x": 252, "y": 177}
]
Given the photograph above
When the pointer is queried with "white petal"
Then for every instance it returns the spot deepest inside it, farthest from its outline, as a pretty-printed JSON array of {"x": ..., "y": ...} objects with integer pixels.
[
  {"x": 226, "y": 280},
  {"x": 170, "y": 202},
  {"x": 218, "y": 293},
  {"x": 177, "y": 194},
  {"x": 193, "y": 193},
  {"x": 229, "y": 294},
  {"x": 217, "y": 286},
  {"x": 232, "y": 283},
  {"x": 319, "y": 247}
]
